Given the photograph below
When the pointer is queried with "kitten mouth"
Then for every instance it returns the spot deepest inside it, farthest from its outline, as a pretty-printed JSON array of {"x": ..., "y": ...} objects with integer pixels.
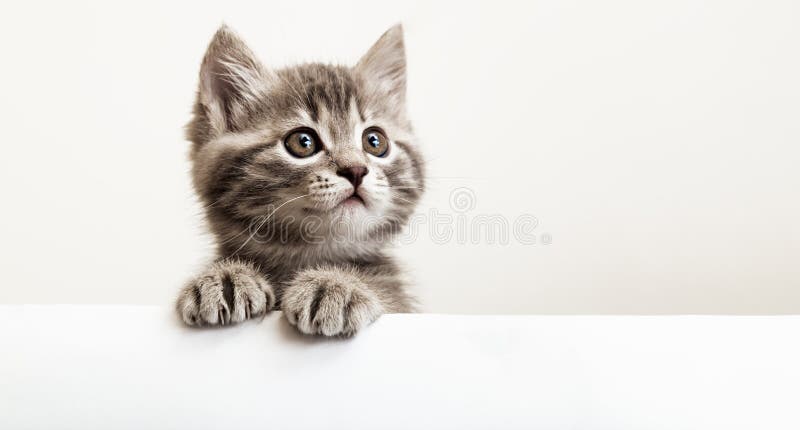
[{"x": 353, "y": 200}]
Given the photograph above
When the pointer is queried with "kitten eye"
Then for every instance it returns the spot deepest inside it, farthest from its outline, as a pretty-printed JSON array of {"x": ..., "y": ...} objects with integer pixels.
[
  {"x": 375, "y": 142},
  {"x": 302, "y": 143}
]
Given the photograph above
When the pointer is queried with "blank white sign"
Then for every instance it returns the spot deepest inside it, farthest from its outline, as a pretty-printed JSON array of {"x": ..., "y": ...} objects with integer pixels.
[{"x": 125, "y": 367}]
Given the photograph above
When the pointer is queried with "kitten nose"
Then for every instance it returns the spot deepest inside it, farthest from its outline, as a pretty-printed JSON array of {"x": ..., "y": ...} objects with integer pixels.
[{"x": 353, "y": 174}]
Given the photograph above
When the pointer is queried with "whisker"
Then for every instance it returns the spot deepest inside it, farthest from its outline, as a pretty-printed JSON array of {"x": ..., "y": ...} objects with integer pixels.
[
  {"x": 400, "y": 188},
  {"x": 264, "y": 222},
  {"x": 234, "y": 237},
  {"x": 407, "y": 201},
  {"x": 212, "y": 203},
  {"x": 426, "y": 177}
]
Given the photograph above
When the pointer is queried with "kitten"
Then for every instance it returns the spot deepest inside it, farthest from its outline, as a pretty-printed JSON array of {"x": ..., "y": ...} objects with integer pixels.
[{"x": 286, "y": 160}]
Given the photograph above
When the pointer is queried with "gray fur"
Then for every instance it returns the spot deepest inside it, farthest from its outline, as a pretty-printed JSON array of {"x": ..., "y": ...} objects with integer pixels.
[{"x": 260, "y": 202}]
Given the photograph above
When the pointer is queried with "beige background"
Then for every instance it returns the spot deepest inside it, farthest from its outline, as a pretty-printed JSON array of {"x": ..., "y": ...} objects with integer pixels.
[{"x": 656, "y": 143}]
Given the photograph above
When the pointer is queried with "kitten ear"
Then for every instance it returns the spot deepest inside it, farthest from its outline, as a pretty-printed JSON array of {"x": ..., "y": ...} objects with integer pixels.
[
  {"x": 231, "y": 79},
  {"x": 383, "y": 67}
]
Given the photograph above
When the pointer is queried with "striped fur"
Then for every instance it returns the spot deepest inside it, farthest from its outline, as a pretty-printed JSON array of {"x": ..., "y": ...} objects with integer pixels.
[{"x": 279, "y": 223}]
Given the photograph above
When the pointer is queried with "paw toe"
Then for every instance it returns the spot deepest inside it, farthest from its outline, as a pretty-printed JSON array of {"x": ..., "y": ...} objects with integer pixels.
[
  {"x": 330, "y": 309},
  {"x": 224, "y": 296},
  {"x": 360, "y": 311}
]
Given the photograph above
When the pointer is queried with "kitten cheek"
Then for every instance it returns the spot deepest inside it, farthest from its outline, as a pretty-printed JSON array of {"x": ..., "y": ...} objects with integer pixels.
[{"x": 375, "y": 198}]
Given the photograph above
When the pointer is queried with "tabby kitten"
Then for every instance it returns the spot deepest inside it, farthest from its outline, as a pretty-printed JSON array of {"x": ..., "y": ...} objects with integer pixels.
[{"x": 286, "y": 160}]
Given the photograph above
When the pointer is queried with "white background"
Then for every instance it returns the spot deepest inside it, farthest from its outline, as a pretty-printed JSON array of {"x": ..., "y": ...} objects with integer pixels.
[{"x": 656, "y": 142}]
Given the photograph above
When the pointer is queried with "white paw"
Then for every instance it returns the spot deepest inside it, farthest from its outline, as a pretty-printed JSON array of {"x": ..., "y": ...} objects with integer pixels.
[
  {"x": 228, "y": 292},
  {"x": 330, "y": 302}
]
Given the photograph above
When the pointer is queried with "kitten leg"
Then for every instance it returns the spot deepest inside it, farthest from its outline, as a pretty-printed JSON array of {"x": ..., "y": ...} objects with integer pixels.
[
  {"x": 227, "y": 292},
  {"x": 330, "y": 301}
]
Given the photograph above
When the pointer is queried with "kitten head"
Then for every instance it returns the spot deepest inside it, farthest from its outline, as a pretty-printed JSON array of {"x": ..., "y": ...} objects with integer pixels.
[{"x": 279, "y": 153}]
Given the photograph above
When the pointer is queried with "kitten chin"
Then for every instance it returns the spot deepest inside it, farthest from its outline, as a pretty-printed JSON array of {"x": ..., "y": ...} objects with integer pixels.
[{"x": 306, "y": 173}]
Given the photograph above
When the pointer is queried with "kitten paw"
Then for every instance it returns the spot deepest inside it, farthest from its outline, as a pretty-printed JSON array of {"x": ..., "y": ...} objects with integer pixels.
[
  {"x": 228, "y": 292},
  {"x": 330, "y": 302}
]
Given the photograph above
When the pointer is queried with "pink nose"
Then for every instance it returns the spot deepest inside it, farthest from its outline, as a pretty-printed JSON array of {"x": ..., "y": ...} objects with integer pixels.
[{"x": 353, "y": 174}]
